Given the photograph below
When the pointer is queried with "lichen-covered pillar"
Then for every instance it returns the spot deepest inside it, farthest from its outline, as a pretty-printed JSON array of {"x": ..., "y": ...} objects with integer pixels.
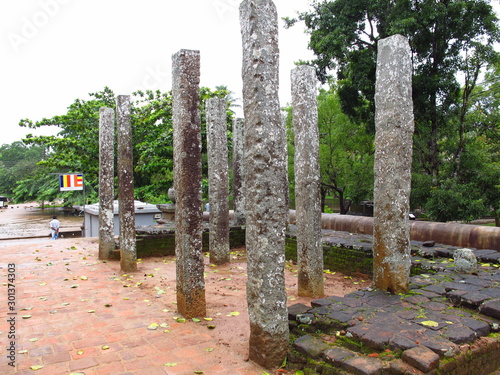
[
  {"x": 126, "y": 209},
  {"x": 238, "y": 173},
  {"x": 393, "y": 157},
  {"x": 218, "y": 181},
  {"x": 307, "y": 182},
  {"x": 106, "y": 181},
  {"x": 265, "y": 173},
  {"x": 187, "y": 183}
]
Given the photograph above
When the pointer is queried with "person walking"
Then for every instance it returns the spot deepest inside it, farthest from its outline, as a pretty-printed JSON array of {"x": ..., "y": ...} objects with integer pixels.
[{"x": 55, "y": 225}]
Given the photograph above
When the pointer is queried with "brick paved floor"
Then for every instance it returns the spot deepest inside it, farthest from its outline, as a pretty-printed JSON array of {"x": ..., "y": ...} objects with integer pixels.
[{"x": 76, "y": 314}]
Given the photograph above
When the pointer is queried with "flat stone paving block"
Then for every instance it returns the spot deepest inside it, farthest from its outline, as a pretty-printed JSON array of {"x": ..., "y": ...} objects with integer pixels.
[
  {"x": 399, "y": 367},
  {"x": 310, "y": 346},
  {"x": 363, "y": 366},
  {"x": 421, "y": 358},
  {"x": 377, "y": 338},
  {"x": 399, "y": 342},
  {"x": 337, "y": 355},
  {"x": 295, "y": 309},
  {"x": 481, "y": 328},
  {"x": 459, "y": 334},
  {"x": 440, "y": 346},
  {"x": 491, "y": 308},
  {"x": 474, "y": 299}
]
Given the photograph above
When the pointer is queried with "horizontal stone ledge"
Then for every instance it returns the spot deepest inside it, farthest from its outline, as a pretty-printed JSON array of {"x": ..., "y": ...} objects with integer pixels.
[{"x": 463, "y": 235}]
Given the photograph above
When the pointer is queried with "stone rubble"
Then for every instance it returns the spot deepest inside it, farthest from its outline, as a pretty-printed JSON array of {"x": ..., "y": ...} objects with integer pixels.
[{"x": 443, "y": 312}]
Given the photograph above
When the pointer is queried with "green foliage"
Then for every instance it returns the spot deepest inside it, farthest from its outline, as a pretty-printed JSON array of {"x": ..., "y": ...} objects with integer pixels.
[
  {"x": 453, "y": 201},
  {"x": 76, "y": 148},
  {"x": 153, "y": 151},
  {"x": 448, "y": 40},
  {"x": 346, "y": 152},
  {"x": 17, "y": 161}
]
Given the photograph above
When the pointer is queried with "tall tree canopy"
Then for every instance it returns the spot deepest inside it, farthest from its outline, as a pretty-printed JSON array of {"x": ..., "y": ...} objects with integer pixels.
[
  {"x": 443, "y": 34},
  {"x": 452, "y": 42},
  {"x": 17, "y": 161},
  {"x": 76, "y": 147}
]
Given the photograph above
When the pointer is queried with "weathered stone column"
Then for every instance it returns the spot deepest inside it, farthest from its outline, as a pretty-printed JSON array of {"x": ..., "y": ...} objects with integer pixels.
[
  {"x": 126, "y": 209},
  {"x": 238, "y": 173},
  {"x": 307, "y": 182},
  {"x": 218, "y": 181},
  {"x": 106, "y": 182},
  {"x": 393, "y": 157},
  {"x": 265, "y": 173},
  {"x": 187, "y": 183}
]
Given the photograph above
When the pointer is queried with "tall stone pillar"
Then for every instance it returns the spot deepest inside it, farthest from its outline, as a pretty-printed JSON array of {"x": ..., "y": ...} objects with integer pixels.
[
  {"x": 307, "y": 182},
  {"x": 106, "y": 182},
  {"x": 393, "y": 158},
  {"x": 238, "y": 173},
  {"x": 187, "y": 183},
  {"x": 265, "y": 176},
  {"x": 126, "y": 209},
  {"x": 218, "y": 181}
]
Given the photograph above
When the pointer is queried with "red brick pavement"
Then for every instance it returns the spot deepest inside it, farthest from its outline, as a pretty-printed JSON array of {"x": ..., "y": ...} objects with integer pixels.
[{"x": 76, "y": 314}]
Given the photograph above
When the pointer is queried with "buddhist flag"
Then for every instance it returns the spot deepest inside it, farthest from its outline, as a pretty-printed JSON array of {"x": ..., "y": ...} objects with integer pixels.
[{"x": 71, "y": 182}]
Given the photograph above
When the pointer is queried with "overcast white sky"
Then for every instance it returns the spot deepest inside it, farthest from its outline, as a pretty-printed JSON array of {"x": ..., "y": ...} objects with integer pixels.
[{"x": 55, "y": 51}]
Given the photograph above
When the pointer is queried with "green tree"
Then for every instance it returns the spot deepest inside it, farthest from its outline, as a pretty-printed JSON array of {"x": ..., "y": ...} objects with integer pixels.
[
  {"x": 153, "y": 151},
  {"x": 17, "y": 161},
  {"x": 442, "y": 33},
  {"x": 470, "y": 185},
  {"x": 346, "y": 153},
  {"x": 76, "y": 148}
]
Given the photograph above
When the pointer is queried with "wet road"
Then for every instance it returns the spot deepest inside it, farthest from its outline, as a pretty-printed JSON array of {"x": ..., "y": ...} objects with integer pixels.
[{"x": 29, "y": 220}]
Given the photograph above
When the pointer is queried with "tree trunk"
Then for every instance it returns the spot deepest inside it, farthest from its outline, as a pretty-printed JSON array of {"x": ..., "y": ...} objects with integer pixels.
[{"x": 323, "y": 192}]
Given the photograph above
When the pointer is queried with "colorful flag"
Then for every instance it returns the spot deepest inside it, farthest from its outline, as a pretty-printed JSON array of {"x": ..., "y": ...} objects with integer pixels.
[{"x": 71, "y": 182}]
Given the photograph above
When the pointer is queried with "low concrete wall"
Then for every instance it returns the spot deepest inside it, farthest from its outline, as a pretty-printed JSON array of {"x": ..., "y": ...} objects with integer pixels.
[{"x": 463, "y": 235}]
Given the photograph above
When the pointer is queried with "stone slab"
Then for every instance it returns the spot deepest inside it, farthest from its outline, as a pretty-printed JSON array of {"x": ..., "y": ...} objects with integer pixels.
[
  {"x": 298, "y": 308},
  {"x": 310, "y": 346},
  {"x": 363, "y": 366},
  {"x": 491, "y": 308},
  {"x": 337, "y": 355},
  {"x": 421, "y": 358}
]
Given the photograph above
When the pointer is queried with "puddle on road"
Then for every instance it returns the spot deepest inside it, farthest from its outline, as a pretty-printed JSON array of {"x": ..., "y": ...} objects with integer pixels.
[{"x": 34, "y": 222}]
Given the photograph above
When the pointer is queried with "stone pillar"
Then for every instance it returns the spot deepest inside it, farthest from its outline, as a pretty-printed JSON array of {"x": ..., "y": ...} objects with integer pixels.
[
  {"x": 393, "y": 158},
  {"x": 265, "y": 173},
  {"x": 187, "y": 183},
  {"x": 126, "y": 209},
  {"x": 106, "y": 182},
  {"x": 307, "y": 182},
  {"x": 218, "y": 181},
  {"x": 238, "y": 173}
]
